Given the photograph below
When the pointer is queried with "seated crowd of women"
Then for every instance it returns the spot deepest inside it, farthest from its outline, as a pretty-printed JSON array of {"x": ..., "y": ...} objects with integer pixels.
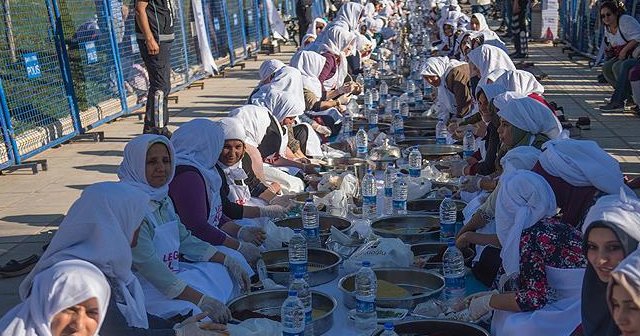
[{"x": 553, "y": 223}]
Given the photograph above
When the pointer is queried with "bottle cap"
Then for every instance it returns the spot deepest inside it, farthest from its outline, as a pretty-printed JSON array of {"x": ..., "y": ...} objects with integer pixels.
[
  {"x": 296, "y": 231},
  {"x": 293, "y": 292},
  {"x": 309, "y": 200},
  {"x": 366, "y": 264},
  {"x": 388, "y": 326},
  {"x": 298, "y": 276},
  {"x": 451, "y": 242}
]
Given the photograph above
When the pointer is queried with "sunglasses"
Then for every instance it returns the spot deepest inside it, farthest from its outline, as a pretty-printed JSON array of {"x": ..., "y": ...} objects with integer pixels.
[{"x": 602, "y": 16}]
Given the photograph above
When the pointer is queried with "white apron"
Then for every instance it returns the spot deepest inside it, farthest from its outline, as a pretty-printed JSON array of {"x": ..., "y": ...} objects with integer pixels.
[
  {"x": 289, "y": 183},
  {"x": 314, "y": 146},
  {"x": 209, "y": 278},
  {"x": 489, "y": 228},
  {"x": 239, "y": 192},
  {"x": 560, "y": 317}
]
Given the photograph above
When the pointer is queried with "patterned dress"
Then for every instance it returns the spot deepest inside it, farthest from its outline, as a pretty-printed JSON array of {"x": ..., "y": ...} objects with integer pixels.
[{"x": 547, "y": 243}]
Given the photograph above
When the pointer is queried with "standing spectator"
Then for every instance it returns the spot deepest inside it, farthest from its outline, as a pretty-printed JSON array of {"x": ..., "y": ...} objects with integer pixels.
[
  {"x": 480, "y": 6},
  {"x": 154, "y": 31},
  {"x": 621, "y": 36},
  {"x": 305, "y": 16},
  {"x": 519, "y": 28}
]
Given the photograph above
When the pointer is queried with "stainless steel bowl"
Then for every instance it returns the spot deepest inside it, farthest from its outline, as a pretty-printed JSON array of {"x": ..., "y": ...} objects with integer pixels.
[
  {"x": 269, "y": 302},
  {"x": 432, "y": 249},
  {"x": 420, "y": 284},
  {"x": 322, "y": 266},
  {"x": 436, "y": 150},
  {"x": 410, "y": 229},
  {"x": 437, "y": 328},
  {"x": 326, "y": 222},
  {"x": 343, "y": 163}
]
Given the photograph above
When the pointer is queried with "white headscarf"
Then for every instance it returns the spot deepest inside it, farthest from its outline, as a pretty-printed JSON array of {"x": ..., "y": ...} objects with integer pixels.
[
  {"x": 521, "y": 157},
  {"x": 619, "y": 209},
  {"x": 491, "y": 90},
  {"x": 482, "y": 20},
  {"x": 520, "y": 81},
  {"x": 310, "y": 65},
  {"x": 232, "y": 129},
  {"x": 369, "y": 11},
  {"x": 63, "y": 285},
  {"x": 524, "y": 198},
  {"x": 627, "y": 275},
  {"x": 286, "y": 80},
  {"x": 488, "y": 58},
  {"x": 334, "y": 40},
  {"x": 256, "y": 121},
  {"x": 311, "y": 30},
  {"x": 268, "y": 67},
  {"x": 133, "y": 166},
  {"x": 99, "y": 228},
  {"x": 583, "y": 163},
  {"x": 198, "y": 143},
  {"x": 528, "y": 114},
  {"x": 441, "y": 66},
  {"x": 348, "y": 16},
  {"x": 283, "y": 104},
  {"x": 374, "y": 25}
]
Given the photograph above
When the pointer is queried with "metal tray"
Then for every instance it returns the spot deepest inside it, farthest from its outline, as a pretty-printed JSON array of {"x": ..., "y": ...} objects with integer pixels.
[
  {"x": 435, "y": 248},
  {"x": 436, "y": 150},
  {"x": 423, "y": 124},
  {"x": 342, "y": 163},
  {"x": 431, "y": 206},
  {"x": 416, "y": 141},
  {"x": 269, "y": 302},
  {"x": 434, "y": 327},
  {"x": 326, "y": 222},
  {"x": 421, "y": 285},
  {"x": 410, "y": 229},
  {"x": 302, "y": 197},
  {"x": 323, "y": 265}
]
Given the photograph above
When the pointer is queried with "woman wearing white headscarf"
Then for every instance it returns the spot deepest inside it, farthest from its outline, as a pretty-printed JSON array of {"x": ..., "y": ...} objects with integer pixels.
[
  {"x": 611, "y": 232},
  {"x": 490, "y": 62},
  {"x": 334, "y": 44},
  {"x": 266, "y": 143},
  {"x": 318, "y": 102},
  {"x": 317, "y": 27},
  {"x": 70, "y": 297},
  {"x": 542, "y": 261},
  {"x": 99, "y": 228},
  {"x": 348, "y": 17},
  {"x": 486, "y": 37},
  {"x": 451, "y": 77},
  {"x": 623, "y": 296},
  {"x": 520, "y": 81},
  {"x": 173, "y": 287},
  {"x": 266, "y": 72}
]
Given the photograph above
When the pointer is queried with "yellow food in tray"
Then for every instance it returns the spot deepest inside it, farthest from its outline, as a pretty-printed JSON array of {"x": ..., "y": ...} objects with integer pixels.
[{"x": 387, "y": 290}]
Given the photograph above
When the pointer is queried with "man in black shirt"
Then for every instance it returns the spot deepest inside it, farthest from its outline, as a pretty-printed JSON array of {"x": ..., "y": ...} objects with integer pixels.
[
  {"x": 305, "y": 16},
  {"x": 154, "y": 32}
]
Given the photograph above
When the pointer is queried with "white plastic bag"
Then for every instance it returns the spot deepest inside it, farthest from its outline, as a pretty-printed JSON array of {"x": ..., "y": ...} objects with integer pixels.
[
  {"x": 275, "y": 235},
  {"x": 256, "y": 327},
  {"x": 418, "y": 188},
  {"x": 383, "y": 252}
]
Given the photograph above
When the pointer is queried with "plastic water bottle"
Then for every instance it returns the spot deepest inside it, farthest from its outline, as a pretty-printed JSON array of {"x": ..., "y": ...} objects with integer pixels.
[
  {"x": 388, "y": 330},
  {"x": 399, "y": 194},
  {"x": 468, "y": 143},
  {"x": 389, "y": 177},
  {"x": 369, "y": 196},
  {"x": 393, "y": 62},
  {"x": 372, "y": 117},
  {"x": 415, "y": 163},
  {"x": 368, "y": 100},
  {"x": 395, "y": 105},
  {"x": 304, "y": 294},
  {"x": 398, "y": 127},
  {"x": 448, "y": 216},
  {"x": 297, "y": 255},
  {"x": 352, "y": 106},
  {"x": 311, "y": 223},
  {"x": 427, "y": 90},
  {"x": 375, "y": 97},
  {"x": 411, "y": 90},
  {"x": 419, "y": 97},
  {"x": 404, "y": 110},
  {"x": 384, "y": 91},
  {"x": 366, "y": 287},
  {"x": 362, "y": 143},
  {"x": 347, "y": 125},
  {"x": 292, "y": 313},
  {"x": 454, "y": 274},
  {"x": 441, "y": 132}
]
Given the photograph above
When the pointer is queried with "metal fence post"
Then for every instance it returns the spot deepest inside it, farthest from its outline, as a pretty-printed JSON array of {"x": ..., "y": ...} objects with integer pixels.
[
  {"x": 244, "y": 31},
  {"x": 7, "y": 131},
  {"x": 232, "y": 50},
  {"x": 116, "y": 55},
  {"x": 184, "y": 41}
]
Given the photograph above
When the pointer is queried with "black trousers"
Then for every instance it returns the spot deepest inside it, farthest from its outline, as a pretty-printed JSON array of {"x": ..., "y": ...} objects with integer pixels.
[
  {"x": 159, "y": 69},
  {"x": 520, "y": 28}
]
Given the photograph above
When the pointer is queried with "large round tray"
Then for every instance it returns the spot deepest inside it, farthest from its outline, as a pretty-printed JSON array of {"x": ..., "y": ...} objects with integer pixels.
[
  {"x": 437, "y": 327},
  {"x": 423, "y": 124},
  {"x": 416, "y": 141},
  {"x": 421, "y": 285},
  {"x": 431, "y": 206},
  {"x": 322, "y": 266},
  {"x": 269, "y": 302},
  {"x": 410, "y": 229},
  {"x": 326, "y": 222},
  {"x": 436, "y": 150},
  {"x": 435, "y": 248}
]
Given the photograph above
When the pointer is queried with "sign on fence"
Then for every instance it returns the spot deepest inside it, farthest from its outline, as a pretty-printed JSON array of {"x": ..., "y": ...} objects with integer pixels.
[
  {"x": 92, "y": 53},
  {"x": 32, "y": 65}
]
